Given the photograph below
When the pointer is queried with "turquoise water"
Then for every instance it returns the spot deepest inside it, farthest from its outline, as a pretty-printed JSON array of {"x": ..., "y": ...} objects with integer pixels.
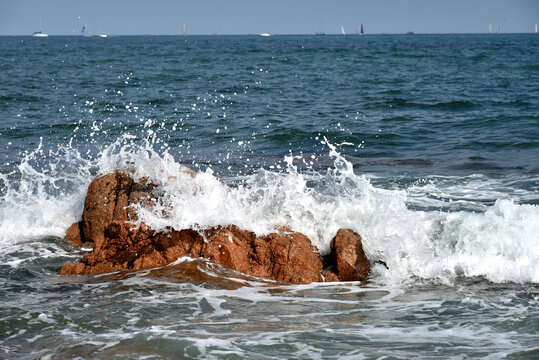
[{"x": 427, "y": 145}]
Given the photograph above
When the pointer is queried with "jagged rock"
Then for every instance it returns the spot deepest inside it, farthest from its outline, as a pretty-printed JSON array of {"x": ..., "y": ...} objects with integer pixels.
[
  {"x": 287, "y": 257},
  {"x": 349, "y": 257},
  {"x": 73, "y": 234},
  {"x": 107, "y": 224},
  {"x": 111, "y": 198},
  {"x": 284, "y": 256}
]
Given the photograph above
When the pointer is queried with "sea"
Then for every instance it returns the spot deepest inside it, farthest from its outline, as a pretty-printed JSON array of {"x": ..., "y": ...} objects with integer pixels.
[{"x": 426, "y": 145}]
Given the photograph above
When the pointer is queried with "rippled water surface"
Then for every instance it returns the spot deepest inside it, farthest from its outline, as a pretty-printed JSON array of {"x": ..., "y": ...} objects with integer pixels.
[{"x": 426, "y": 145}]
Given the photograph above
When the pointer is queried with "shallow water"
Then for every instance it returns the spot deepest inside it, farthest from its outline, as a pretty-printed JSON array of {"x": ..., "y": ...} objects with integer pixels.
[{"x": 425, "y": 145}]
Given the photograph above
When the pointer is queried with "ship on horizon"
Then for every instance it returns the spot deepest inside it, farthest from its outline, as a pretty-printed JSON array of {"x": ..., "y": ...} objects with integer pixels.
[{"x": 40, "y": 33}]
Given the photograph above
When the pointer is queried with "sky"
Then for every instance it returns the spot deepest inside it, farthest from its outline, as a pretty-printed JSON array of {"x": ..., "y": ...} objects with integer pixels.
[{"x": 165, "y": 17}]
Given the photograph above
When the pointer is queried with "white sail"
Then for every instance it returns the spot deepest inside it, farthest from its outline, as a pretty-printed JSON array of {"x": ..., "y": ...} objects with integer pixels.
[
  {"x": 490, "y": 28},
  {"x": 342, "y": 30},
  {"x": 184, "y": 29}
]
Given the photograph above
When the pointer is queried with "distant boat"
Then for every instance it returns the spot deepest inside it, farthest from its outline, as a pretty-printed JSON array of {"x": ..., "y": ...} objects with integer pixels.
[
  {"x": 184, "y": 29},
  {"x": 342, "y": 30},
  {"x": 361, "y": 30},
  {"x": 536, "y": 28},
  {"x": 84, "y": 30},
  {"x": 265, "y": 34},
  {"x": 498, "y": 29},
  {"x": 40, "y": 33},
  {"x": 410, "y": 33},
  {"x": 321, "y": 31},
  {"x": 490, "y": 28},
  {"x": 103, "y": 35}
]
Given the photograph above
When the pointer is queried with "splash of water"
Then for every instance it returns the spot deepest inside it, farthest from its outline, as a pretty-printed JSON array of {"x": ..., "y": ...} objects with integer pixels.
[{"x": 43, "y": 197}]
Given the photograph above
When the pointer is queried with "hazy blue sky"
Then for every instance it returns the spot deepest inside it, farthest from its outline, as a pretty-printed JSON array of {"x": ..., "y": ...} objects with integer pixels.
[{"x": 61, "y": 17}]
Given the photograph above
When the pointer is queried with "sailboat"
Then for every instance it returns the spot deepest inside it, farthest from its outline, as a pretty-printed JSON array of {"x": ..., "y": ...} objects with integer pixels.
[
  {"x": 40, "y": 33},
  {"x": 102, "y": 34},
  {"x": 361, "y": 30},
  {"x": 490, "y": 28},
  {"x": 536, "y": 28},
  {"x": 84, "y": 30},
  {"x": 342, "y": 30},
  {"x": 184, "y": 29}
]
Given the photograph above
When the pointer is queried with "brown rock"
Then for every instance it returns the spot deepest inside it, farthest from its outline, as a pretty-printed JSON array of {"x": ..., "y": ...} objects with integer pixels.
[
  {"x": 230, "y": 247},
  {"x": 100, "y": 204},
  {"x": 111, "y": 197},
  {"x": 285, "y": 255},
  {"x": 294, "y": 258},
  {"x": 348, "y": 256},
  {"x": 125, "y": 248},
  {"x": 73, "y": 234},
  {"x": 329, "y": 276}
]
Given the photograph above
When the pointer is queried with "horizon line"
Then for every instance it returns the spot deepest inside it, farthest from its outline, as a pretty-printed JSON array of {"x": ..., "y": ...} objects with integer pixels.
[{"x": 297, "y": 34}]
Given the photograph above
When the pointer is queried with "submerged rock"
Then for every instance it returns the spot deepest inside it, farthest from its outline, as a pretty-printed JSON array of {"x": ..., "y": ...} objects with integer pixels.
[{"x": 107, "y": 225}]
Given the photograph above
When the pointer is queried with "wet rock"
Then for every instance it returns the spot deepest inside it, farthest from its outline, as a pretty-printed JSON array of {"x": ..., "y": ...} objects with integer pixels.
[
  {"x": 348, "y": 256},
  {"x": 294, "y": 258},
  {"x": 286, "y": 257},
  {"x": 127, "y": 248},
  {"x": 100, "y": 205},
  {"x": 231, "y": 247},
  {"x": 283, "y": 256},
  {"x": 73, "y": 234},
  {"x": 111, "y": 197},
  {"x": 328, "y": 276},
  {"x": 107, "y": 223}
]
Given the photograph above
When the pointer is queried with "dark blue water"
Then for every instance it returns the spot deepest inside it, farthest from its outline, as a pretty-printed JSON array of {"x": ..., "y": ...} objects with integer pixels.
[{"x": 427, "y": 145}]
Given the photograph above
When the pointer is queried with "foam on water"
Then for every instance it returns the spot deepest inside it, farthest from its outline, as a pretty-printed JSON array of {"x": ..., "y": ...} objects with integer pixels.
[
  {"x": 42, "y": 196},
  {"x": 500, "y": 243}
]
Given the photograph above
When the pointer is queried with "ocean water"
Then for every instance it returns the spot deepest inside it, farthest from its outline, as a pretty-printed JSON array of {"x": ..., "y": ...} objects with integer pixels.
[{"x": 426, "y": 145}]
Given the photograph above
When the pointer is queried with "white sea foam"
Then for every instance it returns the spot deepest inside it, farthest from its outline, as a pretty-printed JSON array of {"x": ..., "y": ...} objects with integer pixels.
[
  {"x": 42, "y": 199},
  {"x": 500, "y": 243}
]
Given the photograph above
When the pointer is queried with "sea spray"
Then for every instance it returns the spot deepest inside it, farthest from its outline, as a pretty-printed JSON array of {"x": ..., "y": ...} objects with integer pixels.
[
  {"x": 414, "y": 244},
  {"x": 43, "y": 195},
  {"x": 500, "y": 244}
]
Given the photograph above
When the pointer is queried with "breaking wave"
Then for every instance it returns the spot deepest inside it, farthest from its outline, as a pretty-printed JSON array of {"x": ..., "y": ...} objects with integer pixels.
[{"x": 42, "y": 197}]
